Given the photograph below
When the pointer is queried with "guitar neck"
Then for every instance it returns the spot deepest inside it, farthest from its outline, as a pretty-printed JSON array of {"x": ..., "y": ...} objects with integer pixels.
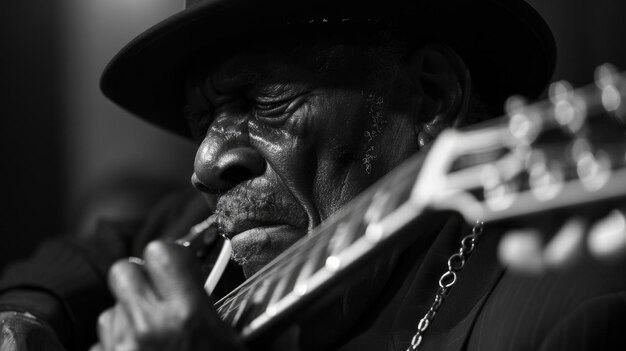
[
  {"x": 569, "y": 151},
  {"x": 321, "y": 257}
]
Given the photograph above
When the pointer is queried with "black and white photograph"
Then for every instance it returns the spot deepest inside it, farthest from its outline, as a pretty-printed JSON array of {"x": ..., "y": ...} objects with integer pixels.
[{"x": 304, "y": 175}]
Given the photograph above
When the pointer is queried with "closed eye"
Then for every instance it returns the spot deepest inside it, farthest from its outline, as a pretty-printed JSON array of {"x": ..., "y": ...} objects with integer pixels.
[
  {"x": 278, "y": 109},
  {"x": 269, "y": 109}
]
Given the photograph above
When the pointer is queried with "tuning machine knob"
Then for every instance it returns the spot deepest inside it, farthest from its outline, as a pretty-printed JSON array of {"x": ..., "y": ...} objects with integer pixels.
[
  {"x": 499, "y": 192},
  {"x": 524, "y": 122},
  {"x": 607, "y": 80},
  {"x": 545, "y": 178},
  {"x": 569, "y": 109},
  {"x": 593, "y": 167}
]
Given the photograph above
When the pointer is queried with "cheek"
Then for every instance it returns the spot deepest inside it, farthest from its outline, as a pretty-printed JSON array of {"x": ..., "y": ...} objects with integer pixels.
[
  {"x": 290, "y": 152},
  {"x": 340, "y": 172},
  {"x": 398, "y": 143},
  {"x": 364, "y": 161}
]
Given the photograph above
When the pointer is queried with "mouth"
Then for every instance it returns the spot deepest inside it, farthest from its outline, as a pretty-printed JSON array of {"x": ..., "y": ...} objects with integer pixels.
[
  {"x": 258, "y": 232},
  {"x": 260, "y": 221},
  {"x": 255, "y": 247},
  {"x": 231, "y": 227}
]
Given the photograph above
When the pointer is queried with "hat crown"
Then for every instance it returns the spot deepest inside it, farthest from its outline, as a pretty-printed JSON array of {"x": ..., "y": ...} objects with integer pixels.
[{"x": 148, "y": 76}]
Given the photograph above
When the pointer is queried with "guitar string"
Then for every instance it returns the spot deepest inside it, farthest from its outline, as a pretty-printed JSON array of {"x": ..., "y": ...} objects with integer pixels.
[
  {"x": 326, "y": 229},
  {"x": 253, "y": 282},
  {"x": 324, "y": 238},
  {"x": 324, "y": 233},
  {"x": 294, "y": 255},
  {"x": 294, "y": 258},
  {"x": 231, "y": 303}
]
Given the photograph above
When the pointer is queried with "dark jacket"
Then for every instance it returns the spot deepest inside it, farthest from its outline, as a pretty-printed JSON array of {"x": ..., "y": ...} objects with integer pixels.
[{"x": 581, "y": 308}]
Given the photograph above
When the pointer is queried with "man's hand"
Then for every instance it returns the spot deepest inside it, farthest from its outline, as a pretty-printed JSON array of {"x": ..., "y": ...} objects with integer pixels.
[
  {"x": 162, "y": 306},
  {"x": 604, "y": 239}
]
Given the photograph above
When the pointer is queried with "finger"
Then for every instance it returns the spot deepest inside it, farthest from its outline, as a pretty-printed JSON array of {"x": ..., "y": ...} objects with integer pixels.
[
  {"x": 104, "y": 327},
  {"x": 115, "y": 330},
  {"x": 607, "y": 237},
  {"x": 173, "y": 270},
  {"x": 567, "y": 244},
  {"x": 522, "y": 251},
  {"x": 96, "y": 347},
  {"x": 127, "y": 281},
  {"x": 129, "y": 284}
]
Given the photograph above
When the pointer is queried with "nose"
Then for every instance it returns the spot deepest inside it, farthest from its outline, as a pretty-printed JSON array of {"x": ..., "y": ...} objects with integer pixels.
[{"x": 219, "y": 167}]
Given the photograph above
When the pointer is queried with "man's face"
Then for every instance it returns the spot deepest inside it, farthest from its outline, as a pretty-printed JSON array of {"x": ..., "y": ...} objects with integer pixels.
[{"x": 288, "y": 137}]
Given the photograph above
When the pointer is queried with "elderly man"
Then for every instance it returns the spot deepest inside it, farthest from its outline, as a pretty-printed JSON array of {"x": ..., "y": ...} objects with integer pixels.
[{"x": 298, "y": 108}]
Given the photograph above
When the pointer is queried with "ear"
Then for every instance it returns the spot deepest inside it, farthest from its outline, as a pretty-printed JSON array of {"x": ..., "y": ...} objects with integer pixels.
[{"x": 443, "y": 83}]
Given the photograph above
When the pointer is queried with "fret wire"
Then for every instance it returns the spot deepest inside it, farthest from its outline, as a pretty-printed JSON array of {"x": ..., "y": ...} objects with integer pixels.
[
  {"x": 253, "y": 306},
  {"x": 311, "y": 266},
  {"x": 231, "y": 308},
  {"x": 259, "y": 291},
  {"x": 288, "y": 280},
  {"x": 338, "y": 242},
  {"x": 276, "y": 294},
  {"x": 280, "y": 281},
  {"x": 223, "y": 310},
  {"x": 295, "y": 253},
  {"x": 266, "y": 296},
  {"x": 307, "y": 247},
  {"x": 247, "y": 305},
  {"x": 240, "y": 310},
  {"x": 243, "y": 289},
  {"x": 346, "y": 233},
  {"x": 314, "y": 241}
]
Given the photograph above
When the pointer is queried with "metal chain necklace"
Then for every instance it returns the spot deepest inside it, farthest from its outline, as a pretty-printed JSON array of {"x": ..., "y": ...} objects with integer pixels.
[{"x": 456, "y": 262}]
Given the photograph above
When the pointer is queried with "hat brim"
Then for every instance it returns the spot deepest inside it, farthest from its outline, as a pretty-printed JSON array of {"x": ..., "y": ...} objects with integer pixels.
[{"x": 506, "y": 44}]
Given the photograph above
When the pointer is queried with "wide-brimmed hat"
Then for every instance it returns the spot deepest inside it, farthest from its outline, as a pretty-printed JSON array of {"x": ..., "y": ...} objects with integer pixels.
[{"x": 506, "y": 44}]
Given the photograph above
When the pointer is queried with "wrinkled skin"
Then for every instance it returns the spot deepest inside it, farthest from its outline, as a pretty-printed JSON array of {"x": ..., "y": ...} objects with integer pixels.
[
  {"x": 283, "y": 142},
  {"x": 300, "y": 142}
]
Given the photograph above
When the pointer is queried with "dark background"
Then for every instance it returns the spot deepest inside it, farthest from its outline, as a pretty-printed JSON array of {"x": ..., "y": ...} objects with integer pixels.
[{"x": 68, "y": 153}]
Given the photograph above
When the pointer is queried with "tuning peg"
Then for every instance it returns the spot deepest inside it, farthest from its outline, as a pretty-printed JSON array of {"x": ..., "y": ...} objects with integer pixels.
[
  {"x": 607, "y": 80},
  {"x": 592, "y": 167},
  {"x": 545, "y": 180},
  {"x": 606, "y": 75},
  {"x": 499, "y": 194},
  {"x": 524, "y": 122},
  {"x": 514, "y": 104},
  {"x": 570, "y": 110}
]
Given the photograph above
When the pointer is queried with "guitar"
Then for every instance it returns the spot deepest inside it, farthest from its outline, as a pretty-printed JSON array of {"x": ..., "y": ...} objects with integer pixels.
[{"x": 567, "y": 151}]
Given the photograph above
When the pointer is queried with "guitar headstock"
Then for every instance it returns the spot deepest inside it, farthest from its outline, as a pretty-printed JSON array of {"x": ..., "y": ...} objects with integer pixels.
[{"x": 564, "y": 151}]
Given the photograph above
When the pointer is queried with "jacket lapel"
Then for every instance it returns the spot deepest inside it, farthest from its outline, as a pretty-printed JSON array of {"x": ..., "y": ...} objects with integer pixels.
[{"x": 452, "y": 326}]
